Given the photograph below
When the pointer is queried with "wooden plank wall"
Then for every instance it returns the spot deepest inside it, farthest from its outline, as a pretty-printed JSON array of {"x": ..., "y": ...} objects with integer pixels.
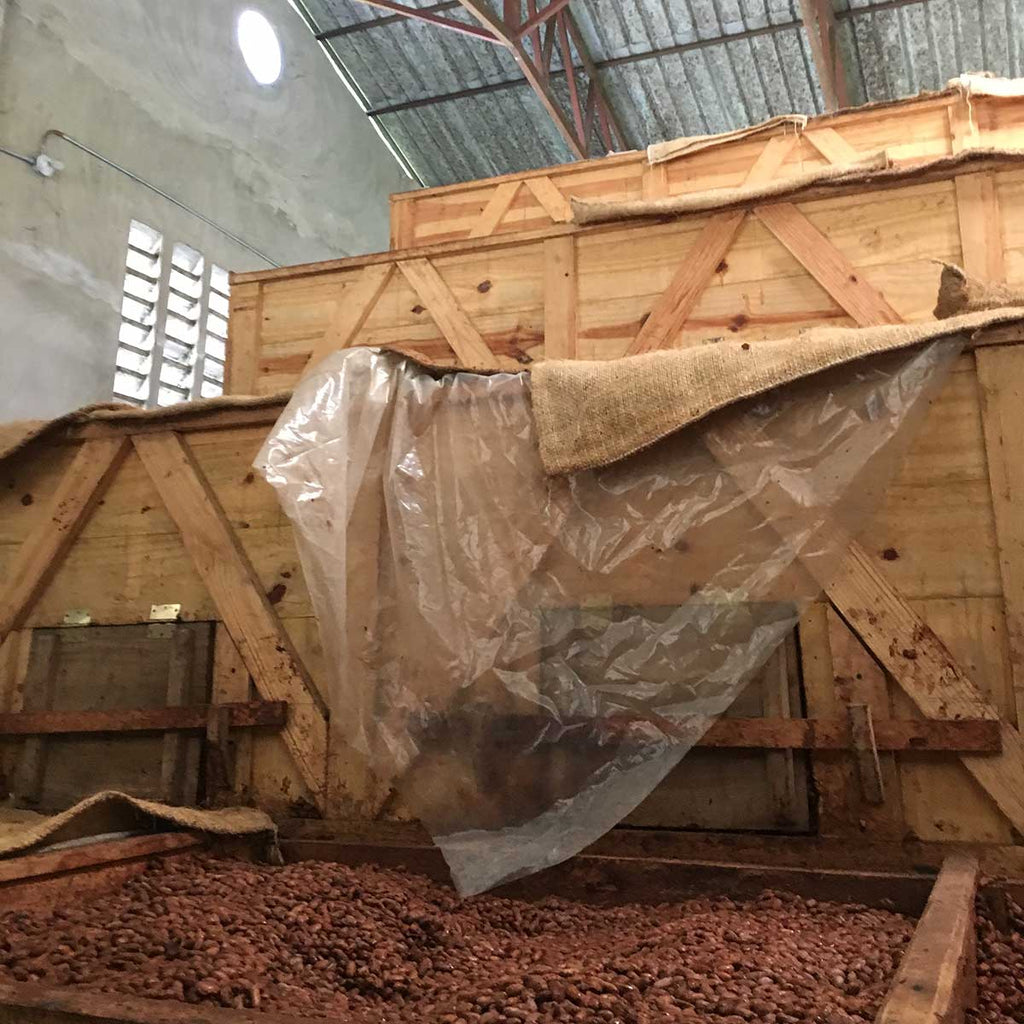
[
  {"x": 910, "y": 132},
  {"x": 945, "y": 537}
]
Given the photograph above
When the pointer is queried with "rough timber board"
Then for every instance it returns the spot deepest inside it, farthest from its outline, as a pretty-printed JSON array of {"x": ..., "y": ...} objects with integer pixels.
[
  {"x": 892, "y": 238},
  {"x": 911, "y": 131},
  {"x": 933, "y": 538}
]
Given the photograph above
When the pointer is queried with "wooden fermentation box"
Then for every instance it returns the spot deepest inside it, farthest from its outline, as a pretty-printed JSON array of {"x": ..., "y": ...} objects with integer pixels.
[{"x": 115, "y": 516}]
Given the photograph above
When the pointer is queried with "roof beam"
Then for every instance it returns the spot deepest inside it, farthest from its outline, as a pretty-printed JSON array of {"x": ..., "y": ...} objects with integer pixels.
[
  {"x": 820, "y": 25},
  {"x": 538, "y": 18},
  {"x": 420, "y": 14}
]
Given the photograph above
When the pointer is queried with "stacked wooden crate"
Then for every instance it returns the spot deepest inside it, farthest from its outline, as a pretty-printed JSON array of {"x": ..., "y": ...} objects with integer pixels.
[{"x": 493, "y": 273}]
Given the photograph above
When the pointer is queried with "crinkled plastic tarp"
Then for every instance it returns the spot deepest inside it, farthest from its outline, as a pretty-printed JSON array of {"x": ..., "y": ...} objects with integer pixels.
[{"x": 526, "y": 657}]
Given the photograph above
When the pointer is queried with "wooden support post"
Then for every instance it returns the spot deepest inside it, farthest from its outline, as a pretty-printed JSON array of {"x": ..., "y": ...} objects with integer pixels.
[
  {"x": 676, "y": 303},
  {"x": 39, "y": 687},
  {"x": 244, "y": 325},
  {"x": 936, "y": 981},
  {"x": 43, "y": 551},
  {"x": 1001, "y": 378},
  {"x": 466, "y": 341},
  {"x": 249, "y": 617},
  {"x": 177, "y": 784},
  {"x": 560, "y": 298},
  {"x": 351, "y": 311}
]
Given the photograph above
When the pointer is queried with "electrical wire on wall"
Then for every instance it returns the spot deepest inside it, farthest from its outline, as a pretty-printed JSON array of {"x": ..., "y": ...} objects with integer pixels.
[{"x": 46, "y": 166}]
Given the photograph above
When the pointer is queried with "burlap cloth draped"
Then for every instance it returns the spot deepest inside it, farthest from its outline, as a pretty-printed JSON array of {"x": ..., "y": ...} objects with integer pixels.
[
  {"x": 591, "y": 413},
  {"x": 112, "y": 812}
]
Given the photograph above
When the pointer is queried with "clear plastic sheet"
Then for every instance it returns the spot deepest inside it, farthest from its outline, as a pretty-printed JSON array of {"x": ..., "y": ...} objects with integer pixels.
[{"x": 534, "y": 654}]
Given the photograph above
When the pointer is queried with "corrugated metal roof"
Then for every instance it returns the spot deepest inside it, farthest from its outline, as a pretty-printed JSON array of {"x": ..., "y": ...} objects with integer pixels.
[{"x": 668, "y": 68}]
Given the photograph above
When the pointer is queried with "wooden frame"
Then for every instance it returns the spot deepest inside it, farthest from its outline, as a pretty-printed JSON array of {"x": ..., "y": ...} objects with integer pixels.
[
  {"x": 821, "y": 253},
  {"x": 933, "y": 985},
  {"x": 909, "y": 131}
]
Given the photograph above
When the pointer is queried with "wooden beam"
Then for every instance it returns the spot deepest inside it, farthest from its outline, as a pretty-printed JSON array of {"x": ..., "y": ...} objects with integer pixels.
[
  {"x": 832, "y": 146},
  {"x": 560, "y": 298},
  {"x": 927, "y": 672},
  {"x": 981, "y": 226},
  {"x": 1001, "y": 379},
  {"x": 769, "y": 161},
  {"x": 220, "y": 560},
  {"x": 44, "y": 549},
  {"x": 241, "y": 714},
  {"x": 351, "y": 311},
  {"x": 241, "y": 370},
  {"x": 496, "y": 208},
  {"x": 676, "y": 303},
  {"x": 93, "y": 855},
  {"x": 556, "y": 206},
  {"x": 466, "y": 341},
  {"x": 820, "y": 25},
  {"x": 827, "y": 265},
  {"x": 416, "y": 14},
  {"x": 936, "y": 982}
]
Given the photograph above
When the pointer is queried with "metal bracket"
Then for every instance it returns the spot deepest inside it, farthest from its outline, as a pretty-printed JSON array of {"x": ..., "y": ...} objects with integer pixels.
[
  {"x": 77, "y": 617},
  {"x": 165, "y": 613},
  {"x": 865, "y": 753}
]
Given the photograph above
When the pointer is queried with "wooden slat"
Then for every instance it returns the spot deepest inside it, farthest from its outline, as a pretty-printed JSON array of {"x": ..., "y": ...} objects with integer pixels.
[
  {"x": 981, "y": 231},
  {"x": 936, "y": 983},
  {"x": 42, "y": 552},
  {"x": 40, "y": 684},
  {"x": 351, "y": 311},
  {"x": 92, "y": 855},
  {"x": 241, "y": 714},
  {"x": 835, "y": 734},
  {"x": 560, "y": 298},
  {"x": 233, "y": 686},
  {"x": 676, "y": 303},
  {"x": 771, "y": 158},
  {"x": 832, "y": 146},
  {"x": 496, "y": 208},
  {"x": 1001, "y": 378},
  {"x": 827, "y": 265},
  {"x": 242, "y": 368},
  {"x": 174, "y": 780},
  {"x": 858, "y": 680},
  {"x": 465, "y": 340},
  {"x": 865, "y": 752},
  {"x": 547, "y": 194},
  {"x": 927, "y": 672},
  {"x": 218, "y": 557}
]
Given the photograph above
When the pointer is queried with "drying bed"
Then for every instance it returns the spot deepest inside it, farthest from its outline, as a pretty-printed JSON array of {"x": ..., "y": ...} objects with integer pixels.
[{"x": 195, "y": 937}]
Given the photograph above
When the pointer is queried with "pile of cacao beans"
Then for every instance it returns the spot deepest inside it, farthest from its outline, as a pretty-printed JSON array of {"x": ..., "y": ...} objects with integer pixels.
[
  {"x": 1000, "y": 961},
  {"x": 314, "y": 939}
]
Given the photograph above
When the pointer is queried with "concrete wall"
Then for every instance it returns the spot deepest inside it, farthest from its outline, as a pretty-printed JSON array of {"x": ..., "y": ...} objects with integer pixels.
[{"x": 161, "y": 88}]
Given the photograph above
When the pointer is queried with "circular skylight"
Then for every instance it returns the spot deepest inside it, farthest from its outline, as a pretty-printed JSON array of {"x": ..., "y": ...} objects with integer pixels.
[{"x": 260, "y": 47}]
